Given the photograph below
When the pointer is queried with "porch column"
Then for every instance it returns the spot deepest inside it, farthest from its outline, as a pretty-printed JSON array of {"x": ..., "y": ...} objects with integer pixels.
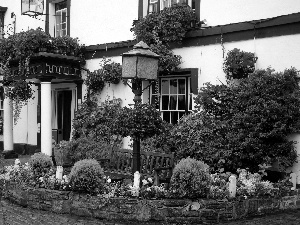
[
  {"x": 8, "y": 143},
  {"x": 46, "y": 112}
]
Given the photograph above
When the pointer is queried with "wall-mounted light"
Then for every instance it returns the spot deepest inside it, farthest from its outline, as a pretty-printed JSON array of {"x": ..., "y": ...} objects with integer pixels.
[{"x": 32, "y": 7}]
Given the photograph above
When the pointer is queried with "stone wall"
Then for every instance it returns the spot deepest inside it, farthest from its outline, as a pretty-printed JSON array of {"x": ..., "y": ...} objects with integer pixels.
[{"x": 170, "y": 210}]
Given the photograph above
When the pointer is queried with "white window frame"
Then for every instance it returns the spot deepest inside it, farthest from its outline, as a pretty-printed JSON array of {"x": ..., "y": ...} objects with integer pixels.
[
  {"x": 59, "y": 32},
  {"x": 187, "y": 94}
]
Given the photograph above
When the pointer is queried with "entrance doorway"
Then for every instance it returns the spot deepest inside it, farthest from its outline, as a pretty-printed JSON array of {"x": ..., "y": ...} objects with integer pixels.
[{"x": 62, "y": 115}]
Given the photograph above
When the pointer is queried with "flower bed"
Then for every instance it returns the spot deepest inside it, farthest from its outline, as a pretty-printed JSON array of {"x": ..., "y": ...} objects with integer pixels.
[{"x": 135, "y": 209}]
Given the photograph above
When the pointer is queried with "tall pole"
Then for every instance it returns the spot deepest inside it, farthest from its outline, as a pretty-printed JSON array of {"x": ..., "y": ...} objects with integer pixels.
[{"x": 136, "y": 155}]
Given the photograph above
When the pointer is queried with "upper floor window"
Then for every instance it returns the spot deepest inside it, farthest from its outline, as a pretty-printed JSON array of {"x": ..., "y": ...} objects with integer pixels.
[
  {"x": 61, "y": 18},
  {"x": 157, "y": 5},
  {"x": 58, "y": 17}
]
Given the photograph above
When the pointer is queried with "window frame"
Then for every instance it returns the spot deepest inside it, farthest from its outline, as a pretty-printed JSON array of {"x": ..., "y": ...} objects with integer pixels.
[
  {"x": 61, "y": 22},
  {"x": 160, "y": 4},
  {"x": 191, "y": 88},
  {"x": 50, "y": 26}
]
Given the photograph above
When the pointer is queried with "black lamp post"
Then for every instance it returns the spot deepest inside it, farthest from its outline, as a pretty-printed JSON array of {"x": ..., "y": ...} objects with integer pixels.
[{"x": 139, "y": 64}]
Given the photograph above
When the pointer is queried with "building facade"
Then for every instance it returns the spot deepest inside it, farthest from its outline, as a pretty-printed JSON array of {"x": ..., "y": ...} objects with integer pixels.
[{"x": 268, "y": 28}]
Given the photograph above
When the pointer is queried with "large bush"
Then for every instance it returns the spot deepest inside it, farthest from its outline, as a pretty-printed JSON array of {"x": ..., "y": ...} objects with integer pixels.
[
  {"x": 87, "y": 176},
  {"x": 243, "y": 125},
  {"x": 190, "y": 179}
]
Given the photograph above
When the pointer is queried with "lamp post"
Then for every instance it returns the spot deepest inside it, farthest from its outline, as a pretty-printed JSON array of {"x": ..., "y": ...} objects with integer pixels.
[{"x": 139, "y": 64}]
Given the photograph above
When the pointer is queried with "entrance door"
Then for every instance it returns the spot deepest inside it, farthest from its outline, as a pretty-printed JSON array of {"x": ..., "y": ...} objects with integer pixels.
[{"x": 63, "y": 113}]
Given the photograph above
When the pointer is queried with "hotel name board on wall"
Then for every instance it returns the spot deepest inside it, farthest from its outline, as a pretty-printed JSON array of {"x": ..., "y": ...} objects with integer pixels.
[{"x": 52, "y": 69}]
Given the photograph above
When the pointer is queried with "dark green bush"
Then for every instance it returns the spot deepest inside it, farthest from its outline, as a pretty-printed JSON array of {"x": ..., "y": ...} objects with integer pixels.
[
  {"x": 243, "y": 125},
  {"x": 87, "y": 176},
  {"x": 87, "y": 148},
  {"x": 40, "y": 164},
  {"x": 190, "y": 179}
]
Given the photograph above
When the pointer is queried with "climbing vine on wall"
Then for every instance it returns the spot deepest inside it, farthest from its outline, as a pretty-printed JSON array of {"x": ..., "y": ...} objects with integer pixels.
[{"x": 158, "y": 30}]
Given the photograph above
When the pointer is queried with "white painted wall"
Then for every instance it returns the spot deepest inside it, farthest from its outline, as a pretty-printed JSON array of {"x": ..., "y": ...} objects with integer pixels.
[
  {"x": 23, "y": 22},
  {"x": 280, "y": 53},
  {"x": 102, "y": 21},
  {"x": 220, "y": 12}
]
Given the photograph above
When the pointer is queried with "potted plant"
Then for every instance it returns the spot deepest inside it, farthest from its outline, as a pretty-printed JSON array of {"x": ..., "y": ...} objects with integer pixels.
[{"x": 239, "y": 64}]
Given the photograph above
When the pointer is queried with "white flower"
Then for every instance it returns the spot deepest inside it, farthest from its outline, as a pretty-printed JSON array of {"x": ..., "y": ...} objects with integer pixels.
[
  {"x": 108, "y": 180},
  {"x": 150, "y": 180},
  {"x": 41, "y": 179},
  {"x": 144, "y": 182},
  {"x": 17, "y": 162}
]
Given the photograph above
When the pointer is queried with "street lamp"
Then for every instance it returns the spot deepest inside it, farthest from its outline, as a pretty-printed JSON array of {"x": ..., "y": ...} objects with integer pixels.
[{"x": 139, "y": 64}]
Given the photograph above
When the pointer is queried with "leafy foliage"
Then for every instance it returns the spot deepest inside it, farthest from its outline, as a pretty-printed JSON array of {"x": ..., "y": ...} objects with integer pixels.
[
  {"x": 87, "y": 176},
  {"x": 190, "y": 179},
  {"x": 109, "y": 72},
  {"x": 158, "y": 142},
  {"x": 242, "y": 126},
  {"x": 143, "y": 121},
  {"x": 96, "y": 122},
  {"x": 40, "y": 164},
  {"x": 239, "y": 64},
  {"x": 171, "y": 24},
  {"x": 159, "y": 29},
  {"x": 167, "y": 62},
  {"x": 88, "y": 148}
]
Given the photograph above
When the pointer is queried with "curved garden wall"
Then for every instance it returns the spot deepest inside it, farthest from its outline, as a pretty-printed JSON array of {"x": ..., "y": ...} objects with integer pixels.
[{"x": 170, "y": 210}]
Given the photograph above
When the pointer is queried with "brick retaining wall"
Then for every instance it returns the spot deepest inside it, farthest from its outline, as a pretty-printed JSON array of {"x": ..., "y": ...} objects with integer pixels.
[{"x": 170, "y": 210}]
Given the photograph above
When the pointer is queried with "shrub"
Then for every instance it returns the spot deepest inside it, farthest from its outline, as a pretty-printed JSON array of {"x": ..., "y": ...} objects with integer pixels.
[
  {"x": 40, "y": 164},
  {"x": 87, "y": 176},
  {"x": 97, "y": 122},
  {"x": 237, "y": 126},
  {"x": 88, "y": 148},
  {"x": 190, "y": 179}
]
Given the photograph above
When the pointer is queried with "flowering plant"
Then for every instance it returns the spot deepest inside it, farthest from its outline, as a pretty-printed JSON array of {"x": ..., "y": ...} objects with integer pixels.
[
  {"x": 18, "y": 173},
  {"x": 252, "y": 185},
  {"x": 219, "y": 188},
  {"x": 149, "y": 190}
]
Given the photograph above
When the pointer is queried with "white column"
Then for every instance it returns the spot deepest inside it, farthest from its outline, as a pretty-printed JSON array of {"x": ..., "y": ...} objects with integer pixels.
[
  {"x": 8, "y": 143},
  {"x": 46, "y": 112}
]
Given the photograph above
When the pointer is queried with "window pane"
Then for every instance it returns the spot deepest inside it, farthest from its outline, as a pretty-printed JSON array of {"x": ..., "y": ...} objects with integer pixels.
[
  {"x": 64, "y": 16},
  {"x": 63, "y": 26},
  {"x": 166, "y": 116},
  {"x": 181, "y": 89},
  {"x": 174, "y": 117},
  {"x": 173, "y": 86},
  {"x": 183, "y": 1},
  {"x": 173, "y": 102},
  {"x": 164, "y": 102},
  {"x": 181, "y": 102},
  {"x": 165, "y": 86},
  {"x": 64, "y": 32}
]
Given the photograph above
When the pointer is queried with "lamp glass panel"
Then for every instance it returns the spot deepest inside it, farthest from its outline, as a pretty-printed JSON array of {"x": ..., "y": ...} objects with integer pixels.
[
  {"x": 129, "y": 67},
  {"x": 147, "y": 67},
  {"x": 25, "y": 6}
]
